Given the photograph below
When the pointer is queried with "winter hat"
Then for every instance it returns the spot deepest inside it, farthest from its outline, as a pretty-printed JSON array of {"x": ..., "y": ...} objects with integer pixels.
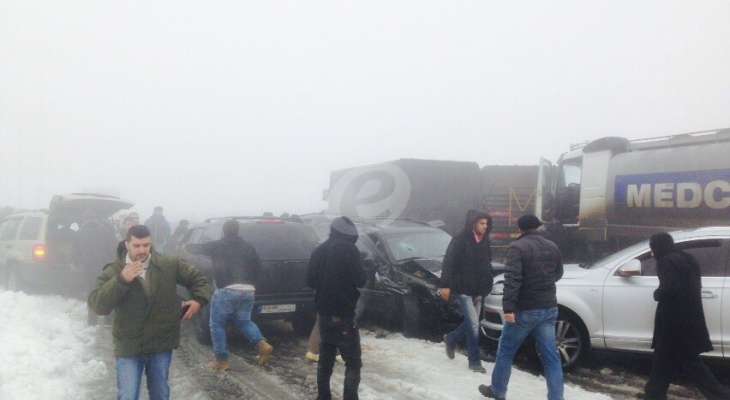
[
  {"x": 344, "y": 226},
  {"x": 661, "y": 244},
  {"x": 528, "y": 222}
]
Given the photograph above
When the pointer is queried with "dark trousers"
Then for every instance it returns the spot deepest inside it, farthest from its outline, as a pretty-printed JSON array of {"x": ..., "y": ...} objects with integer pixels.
[
  {"x": 667, "y": 364},
  {"x": 338, "y": 334}
]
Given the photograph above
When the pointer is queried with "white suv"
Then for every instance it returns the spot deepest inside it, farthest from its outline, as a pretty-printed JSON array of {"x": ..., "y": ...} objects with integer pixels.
[
  {"x": 610, "y": 304},
  {"x": 38, "y": 249}
]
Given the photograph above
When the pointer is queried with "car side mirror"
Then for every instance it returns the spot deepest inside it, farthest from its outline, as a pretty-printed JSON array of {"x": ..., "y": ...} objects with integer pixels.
[{"x": 631, "y": 268}]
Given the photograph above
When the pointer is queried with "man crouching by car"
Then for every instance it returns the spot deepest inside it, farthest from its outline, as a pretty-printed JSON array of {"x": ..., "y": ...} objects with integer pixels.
[
  {"x": 140, "y": 288},
  {"x": 335, "y": 272}
]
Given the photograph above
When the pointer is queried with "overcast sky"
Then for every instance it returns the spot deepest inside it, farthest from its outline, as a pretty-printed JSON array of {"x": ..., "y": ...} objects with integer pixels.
[{"x": 212, "y": 108}]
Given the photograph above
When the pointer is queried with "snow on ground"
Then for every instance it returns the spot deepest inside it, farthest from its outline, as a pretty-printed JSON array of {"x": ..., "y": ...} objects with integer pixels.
[
  {"x": 398, "y": 368},
  {"x": 48, "y": 352},
  {"x": 46, "y": 348}
]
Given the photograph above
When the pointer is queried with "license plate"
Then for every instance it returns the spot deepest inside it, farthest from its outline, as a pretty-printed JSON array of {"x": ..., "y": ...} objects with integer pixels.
[{"x": 278, "y": 308}]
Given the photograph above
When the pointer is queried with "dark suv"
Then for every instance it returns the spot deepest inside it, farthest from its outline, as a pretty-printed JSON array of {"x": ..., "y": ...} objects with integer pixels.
[
  {"x": 284, "y": 247},
  {"x": 403, "y": 261}
]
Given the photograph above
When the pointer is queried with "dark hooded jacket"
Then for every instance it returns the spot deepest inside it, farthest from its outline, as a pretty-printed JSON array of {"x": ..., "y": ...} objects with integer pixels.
[
  {"x": 335, "y": 271},
  {"x": 467, "y": 267},
  {"x": 534, "y": 264},
  {"x": 234, "y": 260},
  {"x": 679, "y": 322}
]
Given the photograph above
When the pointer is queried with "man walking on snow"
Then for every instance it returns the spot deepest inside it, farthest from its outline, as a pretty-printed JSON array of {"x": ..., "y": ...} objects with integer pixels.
[
  {"x": 141, "y": 288},
  {"x": 335, "y": 273},
  {"x": 530, "y": 306}
]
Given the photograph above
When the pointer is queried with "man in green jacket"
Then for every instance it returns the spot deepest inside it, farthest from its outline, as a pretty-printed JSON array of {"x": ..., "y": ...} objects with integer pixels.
[{"x": 141, "y": 289}]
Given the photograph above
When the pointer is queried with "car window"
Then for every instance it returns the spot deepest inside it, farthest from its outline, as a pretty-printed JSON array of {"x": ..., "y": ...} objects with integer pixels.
[
  {"x": 31, "y": 228},
  {"x": 9, "y": 228},
  {"x": 196, "y": 235},
  {"x": 430, "y": 244},
  {"x": 710, "y": 255}
]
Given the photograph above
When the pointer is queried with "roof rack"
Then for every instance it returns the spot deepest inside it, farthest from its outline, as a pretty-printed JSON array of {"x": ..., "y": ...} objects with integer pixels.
[{"x": 680, "y": 139}]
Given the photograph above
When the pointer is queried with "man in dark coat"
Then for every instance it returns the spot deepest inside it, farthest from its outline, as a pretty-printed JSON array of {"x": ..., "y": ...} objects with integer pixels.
[
  {"x": 680, "y": 330},
  {"x": 335, "y": 272},
  {"x": 160, "y": 229},
  {"x": 236, "y": 267},
  {"x": 534, "y": 265},
  {"x": 467, "y": 275}
]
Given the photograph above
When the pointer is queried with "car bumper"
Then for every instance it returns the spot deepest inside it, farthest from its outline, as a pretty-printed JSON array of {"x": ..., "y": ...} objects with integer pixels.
[{"x": 492, "y": 317}]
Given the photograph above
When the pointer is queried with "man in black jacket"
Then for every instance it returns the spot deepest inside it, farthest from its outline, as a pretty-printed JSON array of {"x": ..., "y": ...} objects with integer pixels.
[
  {"x": 335, "y": 273},
  {"x": 530, "y": 306},
  {"x": 467, "y": 275},
  {"x": 680, "y": 330},
  {"x": 236, "y": 267}
]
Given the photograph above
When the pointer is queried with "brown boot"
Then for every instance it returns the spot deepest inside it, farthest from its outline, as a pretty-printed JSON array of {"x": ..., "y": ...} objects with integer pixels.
[
  {"x": 265, "y": 351},
  {"x": 219, "y": 366}
]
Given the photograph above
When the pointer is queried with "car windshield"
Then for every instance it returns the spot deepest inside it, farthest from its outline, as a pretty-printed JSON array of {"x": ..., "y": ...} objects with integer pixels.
[
  {"x": 609, "y": 260},
  {"x": 408, "y": 245},
  {"x": 280, "y": 241}
]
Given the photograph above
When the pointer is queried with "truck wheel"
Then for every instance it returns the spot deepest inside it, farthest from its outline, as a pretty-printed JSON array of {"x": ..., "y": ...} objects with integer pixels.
[
  {"x": 303, "y": 322},
  {"x": 411, "y": 316},
  {"x": 202, "y": 326}
]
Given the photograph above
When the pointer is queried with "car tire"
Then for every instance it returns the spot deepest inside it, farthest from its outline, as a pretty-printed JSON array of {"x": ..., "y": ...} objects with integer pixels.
[
  {"x": 410, "y": 316},
  {"x": 572, "y": 339},
  {"x": 202, "y": 326},
  {"x": 303, "y": 322}
]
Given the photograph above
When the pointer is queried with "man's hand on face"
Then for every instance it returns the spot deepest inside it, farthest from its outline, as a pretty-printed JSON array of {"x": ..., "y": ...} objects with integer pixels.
[
  {"x": 132, "y": 270},
  {"x": 192, "y": 310},
  {"x": 510, "y": 318}
]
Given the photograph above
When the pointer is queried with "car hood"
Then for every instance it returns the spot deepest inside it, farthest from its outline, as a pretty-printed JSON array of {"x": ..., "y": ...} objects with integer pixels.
[{"x": 425, "y": 269}]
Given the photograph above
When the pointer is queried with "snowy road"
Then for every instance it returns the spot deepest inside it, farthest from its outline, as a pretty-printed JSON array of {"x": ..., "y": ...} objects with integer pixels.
[{"x": 48, "y": 352}]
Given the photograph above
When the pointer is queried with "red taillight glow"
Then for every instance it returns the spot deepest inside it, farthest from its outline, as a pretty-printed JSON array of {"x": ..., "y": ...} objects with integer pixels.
[{"x": 39, "y": 252}]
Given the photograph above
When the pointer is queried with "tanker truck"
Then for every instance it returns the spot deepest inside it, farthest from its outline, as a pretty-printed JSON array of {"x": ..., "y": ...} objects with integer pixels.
[{"x": 607, "y": 194}]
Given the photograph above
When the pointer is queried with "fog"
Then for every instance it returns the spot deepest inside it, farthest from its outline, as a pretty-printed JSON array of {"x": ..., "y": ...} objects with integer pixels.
[{"x": 245, "y": 107}]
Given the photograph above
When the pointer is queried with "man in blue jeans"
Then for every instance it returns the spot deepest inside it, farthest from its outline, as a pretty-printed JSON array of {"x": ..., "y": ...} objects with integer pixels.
[
  {"x": 141, "y": 289},
  {"x": 235, "y": 268},
  {"x": 467, "y": 276},
  {"x": 530, "y": 306}
]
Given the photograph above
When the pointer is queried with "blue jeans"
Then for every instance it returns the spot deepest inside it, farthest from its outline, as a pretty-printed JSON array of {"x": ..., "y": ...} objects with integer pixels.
[
  {"x": 541, "y": 325},
  {"x": 471, "y": 308},
  {"x": 235, "y": 306},
  {"x": 129, "y": 376}
]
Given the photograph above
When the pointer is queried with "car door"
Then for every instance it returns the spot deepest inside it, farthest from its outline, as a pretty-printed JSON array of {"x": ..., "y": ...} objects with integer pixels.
[{"x": 629, "y": 304}]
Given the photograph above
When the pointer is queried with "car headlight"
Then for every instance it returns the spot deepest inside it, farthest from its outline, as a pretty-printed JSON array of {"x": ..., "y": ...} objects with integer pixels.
[{"x": 498, "y": 289}]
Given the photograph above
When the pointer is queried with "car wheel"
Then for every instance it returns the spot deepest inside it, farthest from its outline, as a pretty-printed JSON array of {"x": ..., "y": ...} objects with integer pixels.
[
  {"x": 572, "y": 339},
  {"x": 411, "y": 316},
  {"x": 202, "y": 326},
  {"x": 303, "y": 322}
]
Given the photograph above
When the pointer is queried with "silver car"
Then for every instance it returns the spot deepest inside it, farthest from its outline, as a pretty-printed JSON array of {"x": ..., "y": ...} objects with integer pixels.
[{"x": 610, "y": 304}]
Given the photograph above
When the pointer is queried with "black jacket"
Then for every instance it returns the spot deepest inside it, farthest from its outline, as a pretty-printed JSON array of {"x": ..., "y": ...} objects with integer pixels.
[
  {"x": 467, "y": 267},
  {"x": 534, "y": 264},
  {"x": 335, "y": 272},
  {"x": 679, "y": 322},
  {"x": 234, "y": 260}
]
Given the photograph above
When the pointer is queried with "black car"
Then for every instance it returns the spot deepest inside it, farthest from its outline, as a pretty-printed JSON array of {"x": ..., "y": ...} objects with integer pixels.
[{"x": 284, "y": 247}]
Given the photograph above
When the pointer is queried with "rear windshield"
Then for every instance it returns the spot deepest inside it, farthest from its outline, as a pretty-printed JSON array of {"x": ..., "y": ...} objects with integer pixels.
[
  {"x": 31, "y": 228},
  {"x": 286, "y": 241}
]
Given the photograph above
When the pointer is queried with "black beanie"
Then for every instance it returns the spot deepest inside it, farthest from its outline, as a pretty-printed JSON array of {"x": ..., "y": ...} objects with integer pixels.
[
  {"x": 528, "y": 222},
  {"x": 661, "y": 244}
]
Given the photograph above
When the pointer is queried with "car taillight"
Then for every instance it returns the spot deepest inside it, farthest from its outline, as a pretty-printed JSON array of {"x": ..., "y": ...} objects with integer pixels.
[{"x": 39, "y": 253}]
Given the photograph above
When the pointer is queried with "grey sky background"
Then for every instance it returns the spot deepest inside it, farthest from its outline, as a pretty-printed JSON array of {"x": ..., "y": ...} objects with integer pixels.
[{"x": 235, "y": 107}]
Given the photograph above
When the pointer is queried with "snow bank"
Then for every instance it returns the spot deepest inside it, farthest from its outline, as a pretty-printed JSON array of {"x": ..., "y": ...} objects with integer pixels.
[
  {"x": 46, "y": 348},
  {"x": 398, "y": 368}
]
